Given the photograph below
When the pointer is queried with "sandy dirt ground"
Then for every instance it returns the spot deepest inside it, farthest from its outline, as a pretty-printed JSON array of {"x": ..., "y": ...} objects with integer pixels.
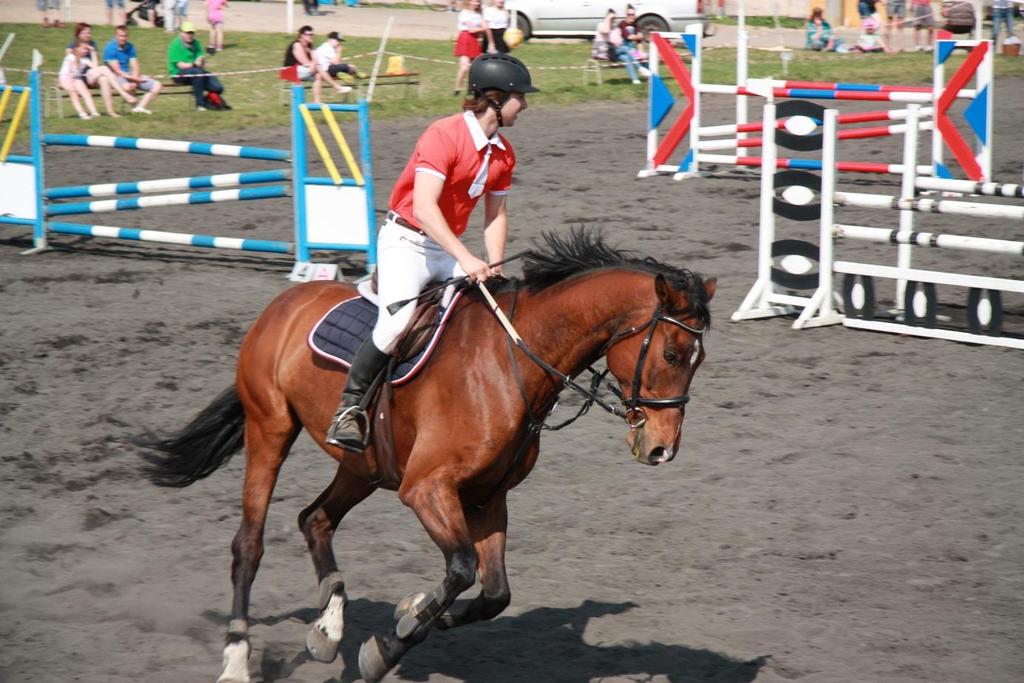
[{"x": 846, "y": 505}]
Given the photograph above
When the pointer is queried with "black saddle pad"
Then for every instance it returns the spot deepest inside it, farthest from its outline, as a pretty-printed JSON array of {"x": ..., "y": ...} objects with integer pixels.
[{"x": 341, "y": 332}]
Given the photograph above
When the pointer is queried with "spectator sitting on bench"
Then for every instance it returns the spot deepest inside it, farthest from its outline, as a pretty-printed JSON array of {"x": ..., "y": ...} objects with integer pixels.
[
  {"x": 72, "y": 79},
  {"x": 328, "y": 59},
  {"x": 300, "y": 54},
  {"x": 609, "y": 40},
  {"x": 83, "y": 34},
  {"x": 602, "y": 49},
  {"x": 185, "y": 63},
  {"x": 123, "y": 60},
  {"x": 88, "y": 69},
  {"x": 633, "y": 40},
  {"x": 300, "y": 64}
]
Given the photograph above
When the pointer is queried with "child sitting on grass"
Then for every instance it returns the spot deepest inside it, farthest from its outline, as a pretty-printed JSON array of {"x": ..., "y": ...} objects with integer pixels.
[{"x": 869, "y": 41}]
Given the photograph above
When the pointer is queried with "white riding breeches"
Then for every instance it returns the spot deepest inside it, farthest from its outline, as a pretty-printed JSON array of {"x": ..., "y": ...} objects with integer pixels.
[{"x": 406, "y": 261}]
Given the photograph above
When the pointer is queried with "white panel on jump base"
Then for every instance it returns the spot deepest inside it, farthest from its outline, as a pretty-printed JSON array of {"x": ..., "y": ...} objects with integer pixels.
[
  {"x": 336, "y": 214},
  {"x": 19, "y": 187},
  {"x": 305, "y": 271}
]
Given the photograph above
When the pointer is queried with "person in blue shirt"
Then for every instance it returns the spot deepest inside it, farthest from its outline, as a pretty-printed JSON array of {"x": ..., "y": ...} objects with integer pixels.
[{"x": 123, "y": 60}]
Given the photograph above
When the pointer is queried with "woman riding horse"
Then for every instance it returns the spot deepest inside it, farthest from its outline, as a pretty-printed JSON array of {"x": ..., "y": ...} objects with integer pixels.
[
  {"x": 456, "y": 161},
  {"x": 456, "y": 460}
]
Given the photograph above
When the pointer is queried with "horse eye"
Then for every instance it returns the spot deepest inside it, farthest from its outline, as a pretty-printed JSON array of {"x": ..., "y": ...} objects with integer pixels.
[{"x": 671, "y": 358}]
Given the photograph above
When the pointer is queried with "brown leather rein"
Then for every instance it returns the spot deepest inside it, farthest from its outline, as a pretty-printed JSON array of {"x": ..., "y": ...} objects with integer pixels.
[{"x": 633, "y": 414}]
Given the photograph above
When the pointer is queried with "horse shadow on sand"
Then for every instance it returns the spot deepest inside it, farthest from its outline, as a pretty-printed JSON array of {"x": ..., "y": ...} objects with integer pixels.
[{"x": 544, "y": 644}]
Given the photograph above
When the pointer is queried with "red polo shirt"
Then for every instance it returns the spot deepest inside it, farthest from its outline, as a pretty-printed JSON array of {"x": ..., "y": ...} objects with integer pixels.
[{"x": 453, "y": 149}]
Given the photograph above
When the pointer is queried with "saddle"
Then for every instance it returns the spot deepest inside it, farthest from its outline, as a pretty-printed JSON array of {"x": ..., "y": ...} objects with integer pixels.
[{"x": 339, "y": 334}]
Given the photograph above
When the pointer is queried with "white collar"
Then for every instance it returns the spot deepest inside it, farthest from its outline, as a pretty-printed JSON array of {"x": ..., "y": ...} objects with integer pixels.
[{"x": 476, "y": 131}]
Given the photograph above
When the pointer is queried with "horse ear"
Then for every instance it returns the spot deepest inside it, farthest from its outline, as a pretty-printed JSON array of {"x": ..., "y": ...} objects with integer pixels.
[
  {"x": 663, "y": 290},
  {"x": 710, "y": 285}
]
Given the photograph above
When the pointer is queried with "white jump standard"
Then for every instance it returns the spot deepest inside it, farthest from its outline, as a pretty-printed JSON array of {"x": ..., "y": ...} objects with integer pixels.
[{"x": 916, "y": 293}]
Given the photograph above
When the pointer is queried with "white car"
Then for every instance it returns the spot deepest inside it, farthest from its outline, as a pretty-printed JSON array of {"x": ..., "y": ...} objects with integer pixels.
[{"x": 538, "y": 18}]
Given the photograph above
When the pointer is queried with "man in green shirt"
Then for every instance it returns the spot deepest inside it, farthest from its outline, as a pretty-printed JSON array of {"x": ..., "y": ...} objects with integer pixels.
[{"x": 185, "y": 64}]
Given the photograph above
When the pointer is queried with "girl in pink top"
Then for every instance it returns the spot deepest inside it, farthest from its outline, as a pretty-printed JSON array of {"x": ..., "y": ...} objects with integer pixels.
[{"x": 215, "y": 15}]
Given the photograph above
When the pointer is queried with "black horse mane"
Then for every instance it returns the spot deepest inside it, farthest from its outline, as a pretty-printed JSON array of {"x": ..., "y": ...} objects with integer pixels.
[{"x": 558, "y": 257}]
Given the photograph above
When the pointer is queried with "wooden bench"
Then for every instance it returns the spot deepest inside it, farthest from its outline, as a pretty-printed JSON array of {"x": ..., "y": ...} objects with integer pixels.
[
  {"x": 359, "y": 85},
  {"x": 595, "y": 66},
  {"x": 54, "y": 96},
  {"x": 404, "y": 79}
]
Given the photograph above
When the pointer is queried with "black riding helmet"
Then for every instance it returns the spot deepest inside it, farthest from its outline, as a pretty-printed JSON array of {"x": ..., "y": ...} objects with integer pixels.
[{"x": 500, "y": 72}]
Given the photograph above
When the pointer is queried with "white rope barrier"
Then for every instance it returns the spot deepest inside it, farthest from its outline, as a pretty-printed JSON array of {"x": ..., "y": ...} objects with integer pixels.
[{"x": 245, "y": 72}]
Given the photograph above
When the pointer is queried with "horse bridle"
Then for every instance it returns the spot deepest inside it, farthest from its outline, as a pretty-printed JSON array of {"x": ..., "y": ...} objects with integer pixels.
[{"x": 634, "y": 414}]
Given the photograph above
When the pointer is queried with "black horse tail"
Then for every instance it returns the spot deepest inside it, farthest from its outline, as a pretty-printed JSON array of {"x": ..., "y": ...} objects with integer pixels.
[{"x": 207, "y": 443}]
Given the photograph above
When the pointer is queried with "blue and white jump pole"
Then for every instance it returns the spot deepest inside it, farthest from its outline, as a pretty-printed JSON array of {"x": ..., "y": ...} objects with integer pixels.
[{"x": 331, "y": 214}]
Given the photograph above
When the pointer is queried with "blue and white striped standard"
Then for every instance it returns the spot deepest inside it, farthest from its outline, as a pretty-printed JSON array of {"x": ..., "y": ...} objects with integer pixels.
[
  {"x": 183, "y": 239},
  {"x": 184, "y": 146},
  {"x": 107, "y": 205},
  {"x": 169, "y": 184}
]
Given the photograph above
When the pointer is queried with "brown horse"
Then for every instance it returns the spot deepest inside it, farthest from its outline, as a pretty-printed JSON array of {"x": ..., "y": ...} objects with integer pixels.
[{"x": 464, "y": 435}]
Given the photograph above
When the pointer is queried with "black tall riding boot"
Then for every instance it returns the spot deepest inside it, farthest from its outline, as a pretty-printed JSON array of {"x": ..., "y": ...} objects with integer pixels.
[{"x": 346, "y": 430}]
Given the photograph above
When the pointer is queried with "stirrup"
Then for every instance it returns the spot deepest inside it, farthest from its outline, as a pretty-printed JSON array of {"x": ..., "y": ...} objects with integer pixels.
[{"x": 345, "y": 431}]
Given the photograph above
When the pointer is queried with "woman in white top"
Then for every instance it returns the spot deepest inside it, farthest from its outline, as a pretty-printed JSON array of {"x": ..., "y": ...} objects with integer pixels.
[
  {"x": 467, "y": 44},
  {"x": 72, "y": 79},
  {"x": 496, "y": 18}
]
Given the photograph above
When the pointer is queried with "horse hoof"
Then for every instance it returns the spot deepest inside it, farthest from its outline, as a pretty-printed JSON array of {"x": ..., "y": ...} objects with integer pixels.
[
  {"x": 410, "y": 604},
  {"x": 406, "y": 625},
  {"x": 320, "y": 647},
  {"x": 372, "y": 665},
  {"x": 236, "y": 667}
]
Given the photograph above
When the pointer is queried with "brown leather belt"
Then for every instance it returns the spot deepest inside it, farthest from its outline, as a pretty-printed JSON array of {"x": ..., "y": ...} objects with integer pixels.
[{"x": 395, "y": 218}]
